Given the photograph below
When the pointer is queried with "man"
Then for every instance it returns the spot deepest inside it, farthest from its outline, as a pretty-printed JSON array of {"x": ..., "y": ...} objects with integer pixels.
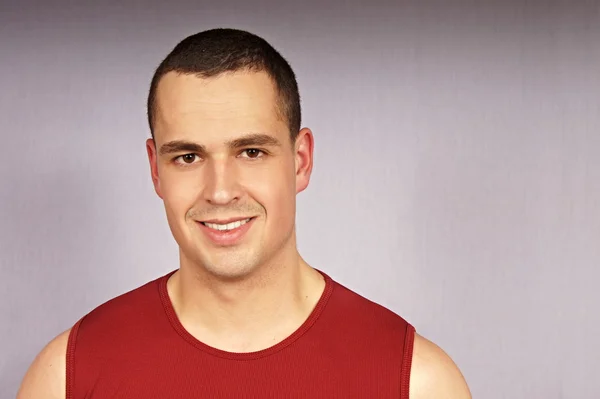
[{"x": 244, "y": 315}]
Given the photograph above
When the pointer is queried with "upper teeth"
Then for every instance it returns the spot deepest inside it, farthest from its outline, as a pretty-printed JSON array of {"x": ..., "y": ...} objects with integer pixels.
[{"x": 228, "y": 226}]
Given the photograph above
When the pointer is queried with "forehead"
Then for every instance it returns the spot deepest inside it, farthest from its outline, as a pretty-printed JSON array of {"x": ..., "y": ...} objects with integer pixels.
[{"x": 229, "y": 103}]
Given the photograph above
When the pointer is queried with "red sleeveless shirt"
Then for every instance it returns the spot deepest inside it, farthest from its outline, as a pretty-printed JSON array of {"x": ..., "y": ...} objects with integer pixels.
[{"x": 134, "y": 347}]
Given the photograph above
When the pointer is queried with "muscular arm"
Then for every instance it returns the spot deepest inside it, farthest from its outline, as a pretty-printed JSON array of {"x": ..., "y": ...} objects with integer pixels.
[
  {"x": 434, "y": 375},
  {"x": 46, "y": 377}
]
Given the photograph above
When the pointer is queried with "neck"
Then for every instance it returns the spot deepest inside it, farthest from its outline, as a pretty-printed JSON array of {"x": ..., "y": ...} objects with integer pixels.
[{"x": 248, "y": 314}]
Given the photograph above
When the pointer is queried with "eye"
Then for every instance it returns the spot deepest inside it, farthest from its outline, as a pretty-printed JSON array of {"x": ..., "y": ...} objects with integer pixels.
[
  {"x": 186, "y": 159},
  {"x": 252, "y": 153}
]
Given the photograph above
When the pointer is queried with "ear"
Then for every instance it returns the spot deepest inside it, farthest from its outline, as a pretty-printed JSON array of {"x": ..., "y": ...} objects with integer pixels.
[
  {"x": 303, "y": 151},
  {"x": 153, "y": 159}
]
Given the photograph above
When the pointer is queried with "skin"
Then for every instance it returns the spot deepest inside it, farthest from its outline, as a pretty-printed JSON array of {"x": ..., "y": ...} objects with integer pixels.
[
  {"x": 222, "y": 150},
  {"x": 247, "y": 166}
]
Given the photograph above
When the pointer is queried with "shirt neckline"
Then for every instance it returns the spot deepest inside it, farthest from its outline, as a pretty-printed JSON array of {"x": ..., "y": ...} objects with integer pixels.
[{"x": 299, "y": 332}]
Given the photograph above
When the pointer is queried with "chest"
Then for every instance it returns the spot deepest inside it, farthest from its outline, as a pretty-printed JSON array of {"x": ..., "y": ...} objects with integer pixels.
[{"x": 316, "y": 377}]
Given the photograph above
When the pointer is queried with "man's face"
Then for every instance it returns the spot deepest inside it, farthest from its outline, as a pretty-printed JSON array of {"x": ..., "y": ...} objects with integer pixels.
[{"x": 223, "y": 162}]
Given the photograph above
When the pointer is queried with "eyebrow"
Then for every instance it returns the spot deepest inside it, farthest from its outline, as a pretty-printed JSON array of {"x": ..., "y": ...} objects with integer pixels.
[
  {"x": 174, "y": 146},
  {"x": 253, "y": 139}
]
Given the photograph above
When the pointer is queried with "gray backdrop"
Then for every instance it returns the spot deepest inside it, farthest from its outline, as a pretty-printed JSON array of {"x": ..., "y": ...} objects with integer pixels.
[{"x": 456, "y": 176}]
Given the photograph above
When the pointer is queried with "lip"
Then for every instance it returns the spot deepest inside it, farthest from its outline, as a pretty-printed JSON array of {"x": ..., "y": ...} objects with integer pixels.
[
  {"x": 225, "y": 221},
  {"x": 226, "y": 238}
]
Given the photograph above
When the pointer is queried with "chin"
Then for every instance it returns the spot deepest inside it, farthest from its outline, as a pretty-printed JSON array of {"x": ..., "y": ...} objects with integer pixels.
[{"x": 230, "y": 266}]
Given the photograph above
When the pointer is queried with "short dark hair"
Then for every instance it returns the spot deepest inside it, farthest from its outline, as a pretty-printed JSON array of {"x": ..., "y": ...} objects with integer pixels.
[{"x": 216, "y": 51}]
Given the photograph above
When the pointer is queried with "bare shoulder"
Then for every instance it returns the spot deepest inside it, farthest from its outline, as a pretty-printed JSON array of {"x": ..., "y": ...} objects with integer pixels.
[
  {"x": 434, "y": 374},
  {"x": 46, "y": 377}
]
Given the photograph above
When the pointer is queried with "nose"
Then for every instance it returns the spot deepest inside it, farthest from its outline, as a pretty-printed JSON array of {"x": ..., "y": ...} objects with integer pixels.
[{"x": 221, "y": 182}]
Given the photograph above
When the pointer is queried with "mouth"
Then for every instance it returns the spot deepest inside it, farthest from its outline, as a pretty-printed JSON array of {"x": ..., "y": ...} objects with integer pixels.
[
  {"x": 226, "y": 233},
  {"x": 226, "y": 225}
]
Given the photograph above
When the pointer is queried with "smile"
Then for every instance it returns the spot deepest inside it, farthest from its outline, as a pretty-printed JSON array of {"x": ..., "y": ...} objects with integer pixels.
[
  {"x": 226, "y": 226},
  {"x": 224, "y": 233}
]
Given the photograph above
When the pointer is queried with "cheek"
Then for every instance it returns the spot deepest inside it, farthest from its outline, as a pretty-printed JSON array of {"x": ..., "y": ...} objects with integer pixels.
[
  {"x": 274, "y": 189},
  {"x": 179, "y": 191}
]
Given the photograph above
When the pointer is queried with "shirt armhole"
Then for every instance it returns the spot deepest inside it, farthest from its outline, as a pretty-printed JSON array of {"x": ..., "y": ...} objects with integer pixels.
[
  {"x": 409, "y": 339},
  {"x": 70, "y": 369}
]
